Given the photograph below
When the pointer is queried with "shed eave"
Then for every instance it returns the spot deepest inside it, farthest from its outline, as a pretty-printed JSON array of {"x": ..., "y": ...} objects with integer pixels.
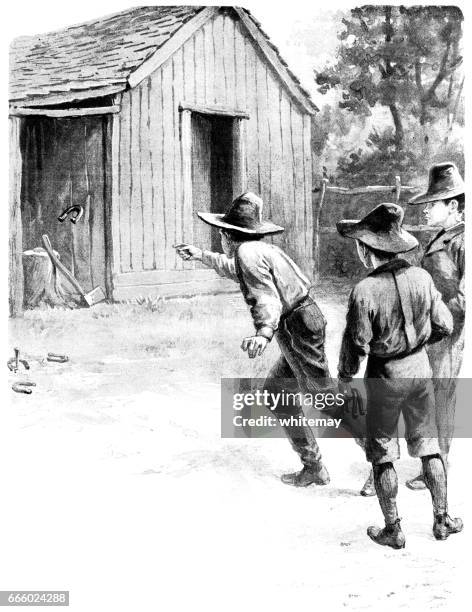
[{"x": 66, "y": 96}]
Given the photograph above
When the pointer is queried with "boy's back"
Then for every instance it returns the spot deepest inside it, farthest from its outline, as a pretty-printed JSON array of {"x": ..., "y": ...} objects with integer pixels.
[{"x": 392, "y": 312}]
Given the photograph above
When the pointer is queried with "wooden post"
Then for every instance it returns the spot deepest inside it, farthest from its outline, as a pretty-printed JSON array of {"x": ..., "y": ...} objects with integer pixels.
[
  {"x": 187, "y": 187},
  {"x": 398, "y": 189},
  {"x": 239, "y": 171},
  {"x": 15, "y": 225},
  {"x": 114, "y": 162},
  {"x": 317, "y": 208},
  {"x": 109, "y": 203}
]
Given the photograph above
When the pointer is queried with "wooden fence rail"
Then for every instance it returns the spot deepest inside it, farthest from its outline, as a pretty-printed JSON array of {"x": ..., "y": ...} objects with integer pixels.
[{"x": 396, "y": 189}]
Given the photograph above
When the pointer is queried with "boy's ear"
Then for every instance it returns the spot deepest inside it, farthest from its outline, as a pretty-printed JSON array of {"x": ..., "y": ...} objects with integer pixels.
[{"x": 453, "y": 205}]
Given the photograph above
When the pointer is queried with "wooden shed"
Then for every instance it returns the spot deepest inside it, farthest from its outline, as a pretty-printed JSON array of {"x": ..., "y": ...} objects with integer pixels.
[{"x": 144, "y": 118}]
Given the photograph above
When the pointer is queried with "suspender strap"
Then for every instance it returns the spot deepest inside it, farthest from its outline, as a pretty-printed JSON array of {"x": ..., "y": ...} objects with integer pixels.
[{"x": 404, "y": 295}]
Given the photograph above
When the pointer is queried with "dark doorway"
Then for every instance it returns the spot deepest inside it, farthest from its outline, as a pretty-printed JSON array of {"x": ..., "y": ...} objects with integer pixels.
[
  {"x": 212, "y": 173},
  {"x": 64, "y": 164}
]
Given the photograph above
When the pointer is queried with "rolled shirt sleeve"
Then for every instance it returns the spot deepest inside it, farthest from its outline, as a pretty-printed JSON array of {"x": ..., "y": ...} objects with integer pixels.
[
  {"x": 259, "y": 291},
  {"x": 223, "y": 265},
  {"x": 357, "y": 335}
]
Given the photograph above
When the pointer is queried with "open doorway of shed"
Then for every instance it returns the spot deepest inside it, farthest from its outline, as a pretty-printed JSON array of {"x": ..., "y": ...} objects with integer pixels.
[
  {"x": 212, "y": 173},
  {"x": 64, "y": 164}
]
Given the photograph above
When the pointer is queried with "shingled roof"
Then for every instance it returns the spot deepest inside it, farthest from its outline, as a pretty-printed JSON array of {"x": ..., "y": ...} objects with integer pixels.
[{"x": 97, "y": 58}]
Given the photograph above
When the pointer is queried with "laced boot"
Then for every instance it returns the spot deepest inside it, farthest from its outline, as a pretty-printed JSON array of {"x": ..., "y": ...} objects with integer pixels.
[
  {"x": 444, "y": 525},
  {"x": 307, "y": 476},
  {"x": 391, "y": 535}
]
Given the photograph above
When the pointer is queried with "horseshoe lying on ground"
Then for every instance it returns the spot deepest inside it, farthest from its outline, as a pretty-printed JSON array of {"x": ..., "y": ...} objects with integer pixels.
[
  {"x": 23, "y": 387},
  {"x": 57, "y": 358}
]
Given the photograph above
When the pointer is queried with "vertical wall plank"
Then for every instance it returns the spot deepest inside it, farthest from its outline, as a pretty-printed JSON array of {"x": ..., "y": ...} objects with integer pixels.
[
  {"x": 156, "y": 136},
  {"x": 168, "y": 159},
  {"x": 265, "y": 150},
  {"x": 194, "y": 88},
  {"x": 228, "y": 54},
  {"x": 186, "y": 153},
  {"x": 240, "y": 67},
  {"x": 276, "y": 157},
  {"x": 125, "y": 182},
  {"x": 239, "y": 171},
  {"x": 115, "y": 194},
  {"x": 93, "y": 241},
  {"x": 209, "y": 51},
  {"x": 147, "y": 195},
  {"x": 219, "y": 76},
  {"x": 15, "y": 242},
  {"x": 136, "y": 211},
  {"x": 107, "y": 123},
  {"x": 288, "y": 184},
  {"x": 299, "y": 188},
  {"x": 253, "y": 170},
  {"x": 187, "y": 63},
  {"x": 199, "y": 67},
  {"x": 177, "y": 95},
  {"x": 308, "y": 185}
]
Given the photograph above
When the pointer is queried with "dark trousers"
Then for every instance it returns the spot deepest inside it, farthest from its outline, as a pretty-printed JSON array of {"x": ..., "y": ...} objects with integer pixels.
[{"x": 302, "y": 367}]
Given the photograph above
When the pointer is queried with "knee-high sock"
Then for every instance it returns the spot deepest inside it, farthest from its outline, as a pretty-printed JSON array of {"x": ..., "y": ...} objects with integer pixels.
[
  {"x": 386, "y": 486},
  {"x": 436, "y": 481}
]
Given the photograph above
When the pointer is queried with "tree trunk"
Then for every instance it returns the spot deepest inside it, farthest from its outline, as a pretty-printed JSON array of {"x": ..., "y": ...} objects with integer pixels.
[{"x": 399, "y": 133}]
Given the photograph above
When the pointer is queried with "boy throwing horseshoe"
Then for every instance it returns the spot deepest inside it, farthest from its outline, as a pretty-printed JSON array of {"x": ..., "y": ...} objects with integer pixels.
[{"x": 281, "y": 304}]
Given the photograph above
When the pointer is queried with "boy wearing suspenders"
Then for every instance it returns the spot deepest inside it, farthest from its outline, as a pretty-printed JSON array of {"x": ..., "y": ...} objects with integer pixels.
[{"x": 392, "y": 314}]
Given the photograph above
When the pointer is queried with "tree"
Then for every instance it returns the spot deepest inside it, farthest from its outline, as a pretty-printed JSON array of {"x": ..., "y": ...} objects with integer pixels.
[{"x": 403, "y": 58}]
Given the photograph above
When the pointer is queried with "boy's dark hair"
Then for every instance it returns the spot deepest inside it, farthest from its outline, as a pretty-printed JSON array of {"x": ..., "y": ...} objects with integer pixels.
[
  {"x": 460, "y": 199},
  {"x": 242, "y": 236},
  {"x": 378, "y": 253}
]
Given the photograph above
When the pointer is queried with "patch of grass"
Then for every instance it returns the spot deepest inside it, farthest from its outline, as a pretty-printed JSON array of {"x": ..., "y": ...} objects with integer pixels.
[
  {"x": 199, "y": 337},
  {"x": 152, "y": 303}
]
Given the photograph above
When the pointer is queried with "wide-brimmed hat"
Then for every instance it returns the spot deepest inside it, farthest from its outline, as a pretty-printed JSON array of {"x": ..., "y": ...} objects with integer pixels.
[
  {"x": 444, "y": 182},
  {"x": 244, "y": 215},
  {"x": 380, "y": 229}
]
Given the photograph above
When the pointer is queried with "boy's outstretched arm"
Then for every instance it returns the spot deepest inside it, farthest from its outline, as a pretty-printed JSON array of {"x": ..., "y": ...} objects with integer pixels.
[{"x": 223, "y": 265}]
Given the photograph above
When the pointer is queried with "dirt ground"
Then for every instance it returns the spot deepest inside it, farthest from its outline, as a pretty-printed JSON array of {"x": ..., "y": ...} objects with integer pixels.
[{"x": 118, "y": 486}]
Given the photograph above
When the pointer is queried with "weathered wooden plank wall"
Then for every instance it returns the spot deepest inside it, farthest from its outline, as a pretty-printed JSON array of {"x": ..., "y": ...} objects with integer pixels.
[
  {"x": 219, "y": 65},
  {"x": 16, "y": 231},
  {"x": 64, "y": 164}
]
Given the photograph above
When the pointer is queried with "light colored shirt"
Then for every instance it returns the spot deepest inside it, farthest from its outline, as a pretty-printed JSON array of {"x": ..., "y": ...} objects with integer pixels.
[{"x": 271, "y": 282}]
